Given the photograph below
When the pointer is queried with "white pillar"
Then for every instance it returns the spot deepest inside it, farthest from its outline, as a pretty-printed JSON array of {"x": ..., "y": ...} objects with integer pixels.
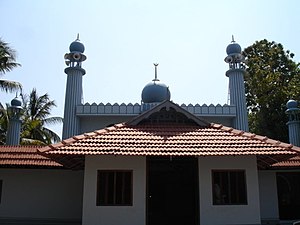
[
  {"x": 73, "y": 96},
  {"x": 13, "y": 132},
  {"x": 14, "y": 123},
  {"x": 238, "y": 98},
  {"x": 294, "y": 122},
  {"x": 236, "y": 85}
]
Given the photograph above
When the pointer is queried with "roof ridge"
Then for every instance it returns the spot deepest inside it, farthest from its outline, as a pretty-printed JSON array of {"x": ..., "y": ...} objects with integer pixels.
[
  {"x": 111, "y": 128},
  {"x": 20, "y": 146},
  {"x": 253, "y": 136}
]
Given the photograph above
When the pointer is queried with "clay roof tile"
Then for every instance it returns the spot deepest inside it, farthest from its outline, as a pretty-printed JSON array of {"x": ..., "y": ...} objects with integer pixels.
[
  {"x": 25, "y": 156},
  {"x": 176, "y": 139},
  {"x": 68, "y": 141}
]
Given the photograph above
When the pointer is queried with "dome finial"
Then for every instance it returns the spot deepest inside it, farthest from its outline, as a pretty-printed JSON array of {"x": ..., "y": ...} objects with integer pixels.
[
  {"x": 77, "y": 39},
  {"x": 155, "y": 65},
  {"x": 232, "y": 39}
]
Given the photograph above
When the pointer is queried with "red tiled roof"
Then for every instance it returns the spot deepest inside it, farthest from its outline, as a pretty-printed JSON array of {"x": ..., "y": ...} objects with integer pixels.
[
  {"x": 19, "y": 156},
  {"x": 290, "y": 163},
  {"x": 173, "y": 139}
]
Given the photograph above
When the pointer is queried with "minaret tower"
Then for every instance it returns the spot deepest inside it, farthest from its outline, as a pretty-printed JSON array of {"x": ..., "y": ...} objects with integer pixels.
[
  {"x": 74, "y": 59},
  {"x": 294, "y": 122},
  {"x": 14, "y": 124},
  {"x": 236, "y": 84}
]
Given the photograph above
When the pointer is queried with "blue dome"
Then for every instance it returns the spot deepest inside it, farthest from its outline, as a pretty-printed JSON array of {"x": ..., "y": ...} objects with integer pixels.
[
  {"x": 16, "y": 102},
  {"x": 155, "y": 92},
  {"x": 233, "y": 48},
  {"x": 292, "y": 105},
  {"x": 76, "y": 46}
]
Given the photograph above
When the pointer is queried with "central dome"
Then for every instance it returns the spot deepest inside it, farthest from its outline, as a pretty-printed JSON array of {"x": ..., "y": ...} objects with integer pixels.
[{"x": 155, "y": 91}]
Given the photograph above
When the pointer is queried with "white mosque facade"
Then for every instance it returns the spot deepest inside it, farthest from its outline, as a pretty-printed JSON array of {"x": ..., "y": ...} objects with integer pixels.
[{"x": 154, "y": 163}]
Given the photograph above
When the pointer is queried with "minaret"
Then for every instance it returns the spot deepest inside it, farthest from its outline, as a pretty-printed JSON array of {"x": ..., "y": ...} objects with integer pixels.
[
  {"x": 14, "y": 123},
  {"x": 294, "y": 122},
  {"x": 236, "y": 84},
  {"x": 74, "y": 59}
]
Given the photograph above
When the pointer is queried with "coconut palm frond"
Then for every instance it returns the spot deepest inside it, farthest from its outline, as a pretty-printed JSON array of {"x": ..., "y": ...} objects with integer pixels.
[
  {"x": 10, "y": 86},
  {"x": 7, "y": 58}
]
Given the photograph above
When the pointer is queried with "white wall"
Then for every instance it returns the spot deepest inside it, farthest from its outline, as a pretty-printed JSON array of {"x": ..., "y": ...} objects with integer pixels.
[
  {"x": 114, "y": 215},
  {"x": 268, "y": 195},
  {"x": 225, "y": 214},
  {"x": 41, "y": 193},
  {"x": 135, "y": 215}
]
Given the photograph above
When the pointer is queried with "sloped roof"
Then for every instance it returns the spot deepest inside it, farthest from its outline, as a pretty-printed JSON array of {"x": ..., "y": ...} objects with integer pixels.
[
  {"x": 288, "y": 164},
  {"x": 24, "y": 156},
  {"x": 169, "y": 130},
  {"x": 170, "y": 140}
]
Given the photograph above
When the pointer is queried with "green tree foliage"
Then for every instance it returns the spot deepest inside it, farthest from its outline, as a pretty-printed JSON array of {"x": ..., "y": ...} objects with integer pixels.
[
  {"x": 36, "y": 115},
  {"x": 37, "y": 111},
  {"x": 7, "y": 63},
  {"x": 272, "y": 79},
  {"x": 4, "y": 118}
]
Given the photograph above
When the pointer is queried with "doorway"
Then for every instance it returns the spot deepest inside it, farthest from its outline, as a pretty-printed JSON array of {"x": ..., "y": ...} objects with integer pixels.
[
  {"x": 172, "y": 191},
  {"x": 288, "y": 186}
]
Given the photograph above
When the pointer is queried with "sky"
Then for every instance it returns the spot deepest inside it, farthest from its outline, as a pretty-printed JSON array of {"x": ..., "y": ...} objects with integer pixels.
[{"x": 123, "y": 38}]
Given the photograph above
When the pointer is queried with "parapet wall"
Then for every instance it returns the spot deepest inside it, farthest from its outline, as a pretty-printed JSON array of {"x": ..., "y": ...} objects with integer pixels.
[{"x": 136, "y": 109}]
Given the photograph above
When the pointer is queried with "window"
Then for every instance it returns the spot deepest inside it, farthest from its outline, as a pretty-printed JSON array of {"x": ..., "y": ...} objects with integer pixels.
[
  {"x": 114, "y": 188},
  {"x": 229, "y": 187}
]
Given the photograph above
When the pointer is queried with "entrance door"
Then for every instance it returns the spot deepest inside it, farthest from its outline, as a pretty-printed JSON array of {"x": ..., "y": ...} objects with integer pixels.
[
  {"x": 173, "y": 194},
  {"x": 288, "y": 186}
]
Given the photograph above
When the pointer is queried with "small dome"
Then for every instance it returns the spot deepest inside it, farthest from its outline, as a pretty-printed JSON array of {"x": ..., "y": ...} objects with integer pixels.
[
  {"x": 16, "y": 102},
  {"x": 233, "y": 48},
  {"x": 155, "y": 92},
  {"x": 292, "y": 104},
  {"x": 76, "y": 46}
]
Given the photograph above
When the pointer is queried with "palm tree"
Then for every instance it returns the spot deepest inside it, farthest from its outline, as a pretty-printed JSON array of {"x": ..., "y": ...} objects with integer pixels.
[
  {"x": 36, "y": 112},
  {"x": 35, "y": 115},
  {"x": 4, "y": 118},
  {"x": 7, "y": 63}
]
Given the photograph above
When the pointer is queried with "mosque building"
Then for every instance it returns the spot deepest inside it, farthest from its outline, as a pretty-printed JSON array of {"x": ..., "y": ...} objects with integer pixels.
[{"x": 154, "y": 163}]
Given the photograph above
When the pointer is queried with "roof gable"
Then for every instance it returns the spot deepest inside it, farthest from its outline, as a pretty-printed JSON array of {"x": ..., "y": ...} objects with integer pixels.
[{"x": 167, "y": 111}]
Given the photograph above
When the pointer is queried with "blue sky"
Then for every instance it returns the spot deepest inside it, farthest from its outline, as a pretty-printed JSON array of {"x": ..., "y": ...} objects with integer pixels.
[{"x": 123, "y": 38}]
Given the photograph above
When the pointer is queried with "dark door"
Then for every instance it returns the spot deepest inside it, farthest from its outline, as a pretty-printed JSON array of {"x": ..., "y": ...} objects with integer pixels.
[
  {"x": 288, "y": 188},
  {"x": 173, "y": 193}
]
